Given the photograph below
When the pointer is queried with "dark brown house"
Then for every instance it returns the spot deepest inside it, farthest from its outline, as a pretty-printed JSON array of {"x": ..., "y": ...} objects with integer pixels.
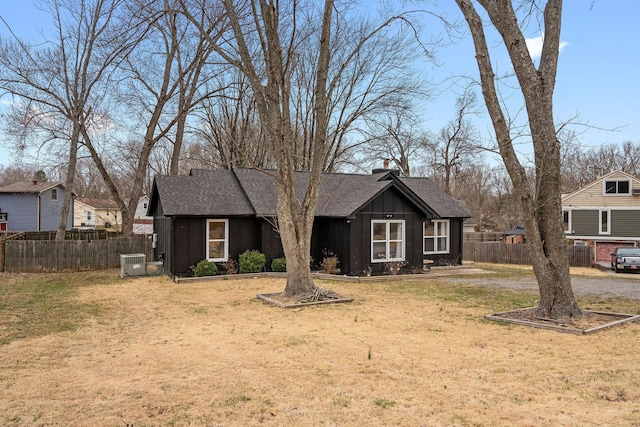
[{"x": 366, "y": 220}]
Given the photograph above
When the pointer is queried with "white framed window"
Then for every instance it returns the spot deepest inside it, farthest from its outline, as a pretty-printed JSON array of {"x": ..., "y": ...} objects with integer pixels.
[
  {"x": 387, "y": 240},
  {"x": 54, "y": 194},
  {"x": 566, "y": 221},
  {"x": 218, "y": 240},
  {"x": 436, "y": 237},
  {"x": 605, "y": 221},
  {"x": 616, "y": 187},
  {"x": 88, "y": 216}
]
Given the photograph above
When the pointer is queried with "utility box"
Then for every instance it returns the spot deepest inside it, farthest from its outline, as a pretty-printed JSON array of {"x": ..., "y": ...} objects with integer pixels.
[
  {"x": 155, "y": 268},
  {"x": 133, "y": 265}
]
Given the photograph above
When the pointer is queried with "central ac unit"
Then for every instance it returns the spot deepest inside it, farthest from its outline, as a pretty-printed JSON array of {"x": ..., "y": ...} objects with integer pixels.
[{"x": 133, "y": 265}]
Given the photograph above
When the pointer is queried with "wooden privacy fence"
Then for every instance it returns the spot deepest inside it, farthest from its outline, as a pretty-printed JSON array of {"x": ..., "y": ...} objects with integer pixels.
[
  {"x": 38, "y": 256},
  {"x": 504, "y": 253},
  {"x": 482, "y": 237}
]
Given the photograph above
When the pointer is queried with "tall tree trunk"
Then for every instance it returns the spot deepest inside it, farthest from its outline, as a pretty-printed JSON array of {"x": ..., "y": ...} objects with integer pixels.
[
  {"x": 68, "y": 185},
  {"x": 295, "y": 216},
  {"x": 540, "y": 200}
]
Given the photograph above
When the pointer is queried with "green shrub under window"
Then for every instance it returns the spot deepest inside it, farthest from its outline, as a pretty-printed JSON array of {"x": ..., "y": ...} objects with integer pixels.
[
  {"x": 206, "y": 268},
  {"x": 252, "y": 261},
  {"x": 279, "y": 265}
]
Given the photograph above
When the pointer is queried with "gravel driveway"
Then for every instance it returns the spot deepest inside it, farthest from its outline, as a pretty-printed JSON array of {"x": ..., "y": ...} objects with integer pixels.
[{"x": 625, "y": 285}]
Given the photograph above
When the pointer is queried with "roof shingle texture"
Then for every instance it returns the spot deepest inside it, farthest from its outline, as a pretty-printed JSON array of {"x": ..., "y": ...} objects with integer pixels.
[
  {"x": 98, "y": 203},
  {"x": 29, "y": 187},
  {"x": 244, "y": 191}
]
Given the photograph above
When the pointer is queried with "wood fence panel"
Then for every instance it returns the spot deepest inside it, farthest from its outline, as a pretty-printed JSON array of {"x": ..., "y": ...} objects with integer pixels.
[
  {"x": 37, "y": 256},
  {"x": 482, "y": 237},
  {"x": 504, "y": 253}
]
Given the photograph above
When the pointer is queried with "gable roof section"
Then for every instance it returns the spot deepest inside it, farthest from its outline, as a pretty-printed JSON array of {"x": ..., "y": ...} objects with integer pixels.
[
  {"x": 341, "y": 195},
  {"x": 29, "y": 187},
  {"x": 440, "y": 202},
  {"x": 617, "y": 174},
  {"x": 246, "y": 191}
]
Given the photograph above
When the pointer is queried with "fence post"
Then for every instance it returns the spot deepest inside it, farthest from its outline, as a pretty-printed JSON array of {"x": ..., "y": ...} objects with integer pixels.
[{"x": 2, "y": 255}]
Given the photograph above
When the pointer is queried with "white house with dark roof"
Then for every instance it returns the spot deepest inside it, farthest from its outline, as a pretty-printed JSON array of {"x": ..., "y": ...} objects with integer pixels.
[{"x": 33, "y": 206}]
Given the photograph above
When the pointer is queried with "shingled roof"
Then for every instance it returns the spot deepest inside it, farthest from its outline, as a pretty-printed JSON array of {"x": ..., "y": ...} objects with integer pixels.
[
  {"x": 206, "y": 193},
  {"x": 244, "y": 191},
  {"x": 29, "y": 187},
  {"x": 98, "y": 203},
  {"x": 443, "y": 205}
]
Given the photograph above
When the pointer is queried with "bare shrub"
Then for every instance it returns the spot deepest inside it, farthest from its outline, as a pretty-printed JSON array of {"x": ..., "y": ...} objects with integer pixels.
[{"x": 330, "y": 262}]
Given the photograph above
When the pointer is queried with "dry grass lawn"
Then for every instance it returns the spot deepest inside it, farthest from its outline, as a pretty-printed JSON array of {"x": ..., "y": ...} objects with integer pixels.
[{"x": 402, "y": 354}]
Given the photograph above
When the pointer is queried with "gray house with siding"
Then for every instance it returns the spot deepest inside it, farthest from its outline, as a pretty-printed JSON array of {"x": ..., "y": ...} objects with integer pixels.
[
  {"x": 33, "y": 206},
  {"x": 604, "y": 214},
  {"x": 366, "y": 220}
]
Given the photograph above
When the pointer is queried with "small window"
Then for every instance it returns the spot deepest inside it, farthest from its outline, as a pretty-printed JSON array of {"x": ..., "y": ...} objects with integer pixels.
[
  {"x": 88, "y": 216},
  {"x": 387, "y": 241},
  {"x": 617, "y": 187},
  {"x": 566, "y": 221},
  {"x": 436, "y": 237},
  {"x": 54, "y": 194},
  {"x": 605, "y": 222},
  {"x": 218, "y": 240}
]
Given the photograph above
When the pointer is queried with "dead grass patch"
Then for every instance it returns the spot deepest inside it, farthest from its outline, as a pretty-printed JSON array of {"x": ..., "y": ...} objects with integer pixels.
[{"x": 418, "y": 353}]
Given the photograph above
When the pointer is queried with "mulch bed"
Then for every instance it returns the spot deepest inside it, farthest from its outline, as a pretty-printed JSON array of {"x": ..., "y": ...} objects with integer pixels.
[{"x": 590, "y": 322}]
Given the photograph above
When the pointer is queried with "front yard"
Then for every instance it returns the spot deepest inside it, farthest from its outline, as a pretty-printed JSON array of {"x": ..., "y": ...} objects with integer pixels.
[{"x": 94, "y": 349}]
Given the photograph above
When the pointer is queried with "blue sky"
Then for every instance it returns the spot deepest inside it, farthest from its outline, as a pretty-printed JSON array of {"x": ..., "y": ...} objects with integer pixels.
[{"x": 597, "y": 73}]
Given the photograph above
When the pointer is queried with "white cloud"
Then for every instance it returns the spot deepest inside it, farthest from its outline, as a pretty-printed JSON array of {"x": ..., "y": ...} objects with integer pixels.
[{"x": 534, "y": 45}]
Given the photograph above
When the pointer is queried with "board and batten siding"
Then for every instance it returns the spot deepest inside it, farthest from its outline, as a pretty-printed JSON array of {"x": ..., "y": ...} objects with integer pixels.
[
  {"x": 191, "y": 247},
  {"x": 390, "y": 205}
]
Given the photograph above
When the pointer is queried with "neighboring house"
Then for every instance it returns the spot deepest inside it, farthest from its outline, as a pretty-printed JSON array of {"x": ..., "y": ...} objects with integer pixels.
[
  {"x": 142, "y": 223},
  {"x": 515, "y": 235},
  {"x": 366, "y": 220},
  {"x": 469, "y": 225},
  {"x": 604, "y": 214},
  {"x": 102, "y": 214},
  {"x": 33, "y": 206}
]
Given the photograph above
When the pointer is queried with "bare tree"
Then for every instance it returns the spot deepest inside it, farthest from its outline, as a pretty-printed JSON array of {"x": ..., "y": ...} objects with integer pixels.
[
  {"x": 581, "y": 166},
  {"x": 540, "y": 196},
  {"x": 457, "y": 144},
  {"x": 269, "y": 41},
  {"x": 395, "y": 136},
  {"x": 59, "y": 85},
  {"x": 163, "y": 78},
  {"x": 273, "y": 100},
  {"x": 228, "y": 128},
  {"x": 371, "y": 78}
]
